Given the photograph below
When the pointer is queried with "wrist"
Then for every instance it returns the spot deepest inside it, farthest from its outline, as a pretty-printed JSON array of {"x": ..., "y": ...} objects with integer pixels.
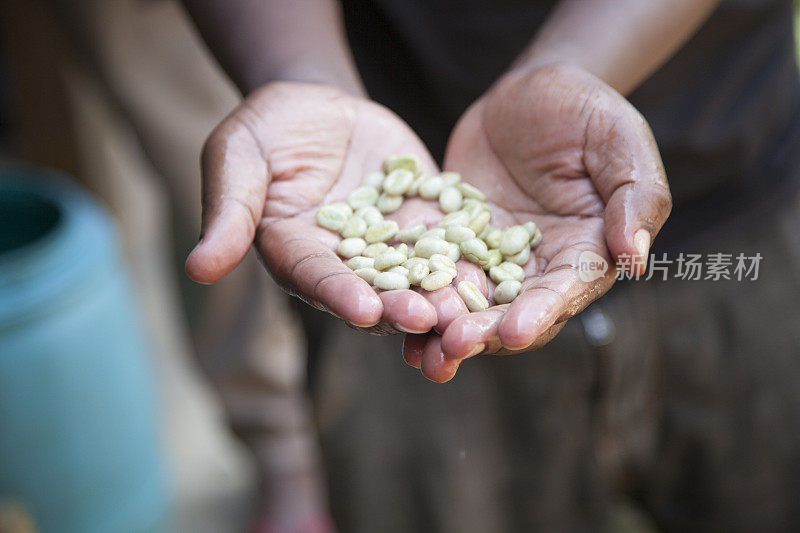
[
  {"x": 345, "y": 80},
  {"x": 552, "y": 70}
]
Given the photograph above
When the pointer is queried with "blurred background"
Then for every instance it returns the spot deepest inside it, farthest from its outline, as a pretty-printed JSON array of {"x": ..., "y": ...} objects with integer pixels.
[{"x": 134, "y": 400}]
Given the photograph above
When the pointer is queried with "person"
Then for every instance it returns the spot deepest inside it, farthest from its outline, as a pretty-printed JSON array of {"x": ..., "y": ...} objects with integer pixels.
[{"x": 676, "y": 394}]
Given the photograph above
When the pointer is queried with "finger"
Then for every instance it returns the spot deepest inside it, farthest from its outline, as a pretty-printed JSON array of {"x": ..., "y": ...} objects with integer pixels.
[
  {"x": 311, "y": 270},
  {"x": 408, "y": 311},
  {"x": 540, "y": 341},
  {"x": 529, "y": 316},
  {"x": 448, "y": 305},
  {"x": 477, "y": 333},
  {"x": 468, "y": 271},
  {"x": 413, "y": 345},
  {"x": 471, "y": 334},
  {"x": 235, "y": 180},
  {"x": 622, "y": 157},
  {"x": 446, "y": 301},
  {"x": 560, "y": 293},
  {"x": 435, "y": 366}
]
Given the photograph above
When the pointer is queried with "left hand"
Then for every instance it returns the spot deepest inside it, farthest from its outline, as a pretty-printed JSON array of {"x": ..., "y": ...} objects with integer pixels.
[{"x": 557, "y": 146}]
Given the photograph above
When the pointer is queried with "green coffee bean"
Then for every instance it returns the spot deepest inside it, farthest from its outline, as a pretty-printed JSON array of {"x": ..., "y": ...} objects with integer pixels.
[
  {"x": 439, "y": 262},
  {"x": 431, "y": 188},
  {"x": 388, "y": 204},
  {"x": 472, "y": 296},
  {"x": 381, "y": 232},
  {"x": 354, "y": 227},
  {"x": 499, "y": 275},
  {"x": 351, "y": 247},
  {"x": 472, "y": 203},
  {"x": 374, "y": 179},
  {"x": 493, "y": 238},
  {"x": 536, "y": 238},
  {"x": 408, "y": 162},
  {"x": 506, "y": 291},
  {"x": 474, "y": 250},
  {"x": 360, "y": 262},
  {"x": 459, "y": 218},
  {"x": 370, "y": 214},
  {"x": 482, "y": 235},
  {"x": 417, "y": 271},
  {"x": 342, "y": 206},
  {"x": 411, "y": 234},
  {"x": 390, "y": 281},
  {"x": 454, "y": 252},
  {"x": 466, "y": 215},
  {"x": 534, "y": 232},
  {"x": 450, "y": 200},
  {"x": 367, "y": 274},
  {"x": 374, "y": 250},
  {"x": 521, "y": 258},
  {"x": 414, "y": 260},
  {"x": 458, "y": 234},
  {"x": 470, "y": 191},
  {"x": 414, "y": 189},
  {"x": 480, "y": 221},
  {"x": 473, "y": 207},
  {"x": 398, "y": 269},
  {"x": 427, "y": 246},
  {"x": 437, "y": 280},
  {"x": 450, "y": 179},
  {"x": 464, "y": 231},
  {"x": 398, "y": 182},
  {"x": 530, "y": 227},
  {"x": 515, "y": 270},
  {"x": 514, "y": 239},
  {"x": 388, "y": 259},
  {"x": 494, "y": 258},
  {"x": 362, "y": 197},
  {"x": 436, "y": 233},
  {"x": 331, "y": 217}
]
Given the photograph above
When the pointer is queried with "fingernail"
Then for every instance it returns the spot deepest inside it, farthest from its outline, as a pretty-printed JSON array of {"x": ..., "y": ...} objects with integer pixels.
[
  {"x": 478, "y": 349},
  {"x": 404, "y": 329},
  {"x": 641, "y": 240}
]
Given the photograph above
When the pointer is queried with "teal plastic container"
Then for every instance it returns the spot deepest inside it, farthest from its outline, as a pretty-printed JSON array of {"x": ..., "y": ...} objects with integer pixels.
[{"x": 79, "y": 445}]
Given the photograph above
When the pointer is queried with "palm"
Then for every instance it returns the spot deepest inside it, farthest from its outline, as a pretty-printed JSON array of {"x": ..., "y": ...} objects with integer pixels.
[
  {"x": 315, "y": 145},
  {"x": 531, "y": 165},
  {"x": 558, "y": 147}
]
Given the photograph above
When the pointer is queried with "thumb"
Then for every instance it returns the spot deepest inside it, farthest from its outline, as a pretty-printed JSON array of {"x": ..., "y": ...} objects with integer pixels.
[
  {"x": 235, "y": 180},
  {"x": 623, "y": 160}
]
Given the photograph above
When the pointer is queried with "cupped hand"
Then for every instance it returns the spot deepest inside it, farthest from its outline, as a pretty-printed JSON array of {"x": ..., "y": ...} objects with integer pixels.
[
  {"x": 557, "y": 146},
  {"x": 288, "y": 149}
]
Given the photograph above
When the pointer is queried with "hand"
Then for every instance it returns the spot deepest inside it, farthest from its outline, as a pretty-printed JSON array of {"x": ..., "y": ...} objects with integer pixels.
[
  {"x": 557, "y": 146},
  {"x": 288, "y": 149}
]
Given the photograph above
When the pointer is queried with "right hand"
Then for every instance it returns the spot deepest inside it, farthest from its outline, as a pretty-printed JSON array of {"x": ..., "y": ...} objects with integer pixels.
[{"x": 288, "y": 149}]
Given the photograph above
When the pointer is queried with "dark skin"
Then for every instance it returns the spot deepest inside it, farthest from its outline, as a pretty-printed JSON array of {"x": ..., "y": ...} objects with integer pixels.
[
  {"x": 570, "y": 153},
  {"x": 549, "y": 142},
  {"x": 558, "y": 146},
  {"x": 315, "y": 148}
]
